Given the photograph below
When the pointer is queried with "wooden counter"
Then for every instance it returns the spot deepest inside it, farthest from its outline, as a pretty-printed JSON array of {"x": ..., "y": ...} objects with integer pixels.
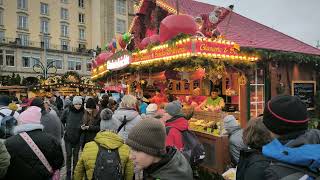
[{"x": 217, "y": 152}]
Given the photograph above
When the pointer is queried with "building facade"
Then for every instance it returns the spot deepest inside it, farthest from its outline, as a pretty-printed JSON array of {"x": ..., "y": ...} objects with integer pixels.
[{"x": 61, "y": 33}]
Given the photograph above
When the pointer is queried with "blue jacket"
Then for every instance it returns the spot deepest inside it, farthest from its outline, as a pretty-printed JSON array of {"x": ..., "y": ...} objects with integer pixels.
[{"x": 299, "y": 151}]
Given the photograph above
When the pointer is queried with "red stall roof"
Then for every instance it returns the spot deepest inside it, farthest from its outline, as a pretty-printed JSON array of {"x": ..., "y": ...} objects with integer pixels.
[{"x": 246, "y": 32}]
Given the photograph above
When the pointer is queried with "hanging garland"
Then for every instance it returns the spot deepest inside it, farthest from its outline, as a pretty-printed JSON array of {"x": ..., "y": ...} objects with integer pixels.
[
  {"x": 189, "y": 63},
  {"x": 266, "y": 54}
]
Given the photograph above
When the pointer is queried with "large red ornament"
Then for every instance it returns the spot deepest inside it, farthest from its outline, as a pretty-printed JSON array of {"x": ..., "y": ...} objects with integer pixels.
[{"x": 173, "y": 25}]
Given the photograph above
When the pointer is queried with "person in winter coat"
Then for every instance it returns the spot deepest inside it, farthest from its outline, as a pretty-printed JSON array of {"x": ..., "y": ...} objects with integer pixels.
[
  {"x": 234, "y": 132},
  {"x": 127, "y": 110},
  {"x": 5, "y": 111},
  {"x": 286, "y": 118},
  {"x": 151, "y": 111},
  {"x": 251, "y": 162},
  {"x": 24, "y": 163},
  {"x": 50, "y": 121},
  {"x": 72, "y": 118},
  {"x": 109, "y": 139},
  {"x": 149, "y": 153},
  {"x": 177, "y": 123},
  {"x": 4, "y": 159},
  {"x": 90, "y": 123}
]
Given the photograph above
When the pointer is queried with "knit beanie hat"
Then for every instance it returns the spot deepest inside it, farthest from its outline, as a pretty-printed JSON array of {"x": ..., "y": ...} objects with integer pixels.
[
  {"x": 107, "y": 122},
  {"x": 37, "y": 102},
  {"x": 77, "y": 100},
  {"x": 148, "y": 136},
  {"x": 285, "y": 114},
  {"x": 32, "y": 115},
  {"x": 174, "y": 108},
  {"x": 152, "y": 108},
  {"x": 4, "y": 100},
  {"x": 91, "y": 104},
  {"x": 230, "y": 122}
]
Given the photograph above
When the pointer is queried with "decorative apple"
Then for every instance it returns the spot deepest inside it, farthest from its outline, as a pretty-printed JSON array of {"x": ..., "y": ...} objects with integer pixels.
[{"x": 173, "y": 25}]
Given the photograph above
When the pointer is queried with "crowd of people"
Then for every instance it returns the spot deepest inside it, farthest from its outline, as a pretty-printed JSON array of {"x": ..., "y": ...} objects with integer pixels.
[{"x": 140, "y": 138}]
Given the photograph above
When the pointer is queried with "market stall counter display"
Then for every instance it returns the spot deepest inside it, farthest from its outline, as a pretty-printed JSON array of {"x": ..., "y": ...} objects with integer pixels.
[{"x": 208, "y": 126}]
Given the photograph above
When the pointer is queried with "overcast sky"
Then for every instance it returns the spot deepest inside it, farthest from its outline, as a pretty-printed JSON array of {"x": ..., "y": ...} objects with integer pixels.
[{"x": 297, "y": 18}]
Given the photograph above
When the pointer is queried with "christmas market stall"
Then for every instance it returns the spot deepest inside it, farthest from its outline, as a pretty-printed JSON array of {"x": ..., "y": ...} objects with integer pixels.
[
  {"x": 71, "y": 83},
  {"x": 181, "y": 63},
  {"x": 204, "y": 53}
]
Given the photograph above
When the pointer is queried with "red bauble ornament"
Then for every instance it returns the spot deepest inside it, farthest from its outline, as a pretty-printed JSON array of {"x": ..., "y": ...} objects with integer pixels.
[{"x": 173, "y": 25}]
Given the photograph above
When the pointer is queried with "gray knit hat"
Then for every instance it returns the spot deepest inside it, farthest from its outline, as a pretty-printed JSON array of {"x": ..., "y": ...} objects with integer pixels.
[
  {"x": 174, "y": 108},
  {"x": 77, "y": 100},
  {"x": 148, "y": 136},
  {"x": 107, "y": 122}
]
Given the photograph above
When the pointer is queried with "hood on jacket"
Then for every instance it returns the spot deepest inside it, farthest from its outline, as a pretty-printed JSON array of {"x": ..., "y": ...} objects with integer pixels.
[
  {"x": 176, "y": 168},
  {"x": 129, "y": 113},
  {"x": 179, "y": 123},
  {"x": 311, "y": 136},
  {"x": 109, "y": 139},
  {"x": 26, "y": 128}
]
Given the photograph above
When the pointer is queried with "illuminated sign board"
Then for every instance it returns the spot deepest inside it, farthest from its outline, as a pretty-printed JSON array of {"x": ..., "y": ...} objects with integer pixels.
[{"x": 119, "y": 63}]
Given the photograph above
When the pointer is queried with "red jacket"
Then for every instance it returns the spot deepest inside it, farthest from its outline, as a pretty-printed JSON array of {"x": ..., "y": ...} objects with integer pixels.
[{"x": 174, "y": 137}]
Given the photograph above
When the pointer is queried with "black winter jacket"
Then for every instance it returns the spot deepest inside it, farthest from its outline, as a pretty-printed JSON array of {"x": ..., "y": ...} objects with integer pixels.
[
  {"x": 72, "y": 120},
  {"x": 24, "y": 164},
  {"x": 251, "y": 165},
  {"x": 90, "y": 133}
]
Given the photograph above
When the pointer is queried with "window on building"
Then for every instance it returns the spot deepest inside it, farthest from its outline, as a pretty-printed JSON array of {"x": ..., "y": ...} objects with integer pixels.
[
  {"x": 44, "y": 8},
  {"x": 121, "y": 26},
  {"x": 22, "y": 22},
  {"x": 2, "y": 38},
  {"x": 81, "y": 18},
  {"x": 64, "y": 45},
  {"x": 1, "y": 57},
  {"x": 1, "y": 17},
  {"x": 64, "y": 14},
  {"x": 78, "y": 66},
  {"x": 24, "y": 39},
  {"x": 64, "y": 1},
  {"x": 121, "y": 7},
  {"x": 57, "y": 62},
  {"x": 257, "y": 101},
  {"x": 10, "y": 58},
  {"x": 89, "y": 65},
  {"x": 44, "y": 26},
  {"x": 82, "y": 34},
  {"x": 71, "y": 65},
  {"x": 64, "y": 30},
  {"x": 22, "y": 4},
  {"x": 74, "y": 65},
  {"x": 45, "y": 42},
  {"x": 81, "y": 3},
  {"x": 29, "y": 62}
]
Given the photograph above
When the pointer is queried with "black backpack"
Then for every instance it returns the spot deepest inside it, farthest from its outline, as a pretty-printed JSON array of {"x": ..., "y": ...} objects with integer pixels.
[
  {"x": 7, "y": 124},
  {"x": 108, "y": 165},
  {"x": 193, "y": 150}
]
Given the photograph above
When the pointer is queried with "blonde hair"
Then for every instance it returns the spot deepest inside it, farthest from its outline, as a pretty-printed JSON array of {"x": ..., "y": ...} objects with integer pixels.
[{"x": 128, "y": 101}]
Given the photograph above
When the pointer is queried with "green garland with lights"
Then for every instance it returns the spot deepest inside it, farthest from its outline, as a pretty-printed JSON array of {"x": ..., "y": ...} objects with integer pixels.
[{"x": 189, "y": 63}]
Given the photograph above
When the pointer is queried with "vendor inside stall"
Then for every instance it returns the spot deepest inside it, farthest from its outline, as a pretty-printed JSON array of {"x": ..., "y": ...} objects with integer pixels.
[{"x": 214, "y": 102}]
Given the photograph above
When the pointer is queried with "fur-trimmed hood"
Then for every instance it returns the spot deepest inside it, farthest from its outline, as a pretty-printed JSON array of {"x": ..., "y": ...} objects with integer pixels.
[{"x": 26, "y": 128}]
